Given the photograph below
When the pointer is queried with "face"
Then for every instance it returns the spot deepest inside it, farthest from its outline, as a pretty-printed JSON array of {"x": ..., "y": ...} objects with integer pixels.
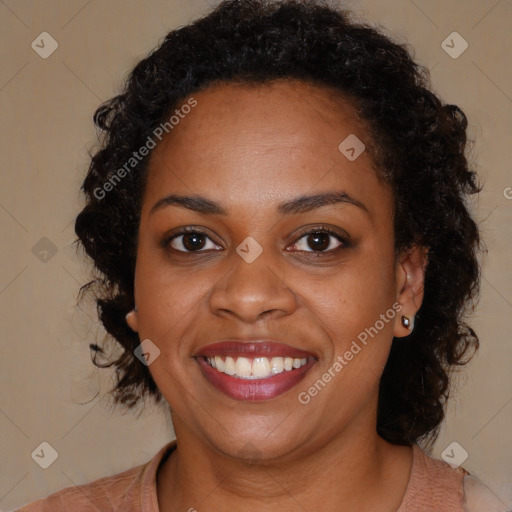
[{"x": 316, "y": 278}]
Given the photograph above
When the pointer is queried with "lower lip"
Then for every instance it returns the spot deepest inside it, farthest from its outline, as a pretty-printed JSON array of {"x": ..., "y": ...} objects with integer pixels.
[{"x": 254, "y": 389}]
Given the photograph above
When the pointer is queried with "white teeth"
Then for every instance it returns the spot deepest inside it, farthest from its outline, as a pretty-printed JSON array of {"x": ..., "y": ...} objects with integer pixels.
[
  {"x": 229, "y": 366},
  {"x": 276, "y": 365},
  {"x": 243, "y": 367},
  {"x": 261, "y": 367},
  {"x": 219, "y": 363},
  {"x": 257, "y": 368}
]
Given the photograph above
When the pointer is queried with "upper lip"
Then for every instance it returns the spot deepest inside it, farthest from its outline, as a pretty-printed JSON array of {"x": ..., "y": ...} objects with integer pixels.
[{"x": 251, "y": 348}]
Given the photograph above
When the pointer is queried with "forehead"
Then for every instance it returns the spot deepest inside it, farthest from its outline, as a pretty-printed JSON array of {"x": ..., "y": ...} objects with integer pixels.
[
  {"x": 273, "y": 140},
  {"x": 298, "y": 113}
]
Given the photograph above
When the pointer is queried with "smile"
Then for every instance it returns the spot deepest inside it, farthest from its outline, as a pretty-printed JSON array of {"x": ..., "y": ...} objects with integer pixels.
[
  {"x": 253, "y": 371},
  {"x": 257, "y": 368}
]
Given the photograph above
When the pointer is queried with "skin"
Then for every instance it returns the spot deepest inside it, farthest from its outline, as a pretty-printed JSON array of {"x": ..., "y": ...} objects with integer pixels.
[{"x": 251, "y": 148}]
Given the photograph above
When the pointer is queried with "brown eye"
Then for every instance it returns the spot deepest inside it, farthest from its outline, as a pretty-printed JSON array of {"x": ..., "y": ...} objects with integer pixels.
[
  {"x": 191, "y": 241},
  {"x": 319, "y": 240}
]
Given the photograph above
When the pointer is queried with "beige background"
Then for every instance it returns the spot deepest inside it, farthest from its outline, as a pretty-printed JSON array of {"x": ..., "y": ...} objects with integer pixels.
[{"x": 46, "y": 130}]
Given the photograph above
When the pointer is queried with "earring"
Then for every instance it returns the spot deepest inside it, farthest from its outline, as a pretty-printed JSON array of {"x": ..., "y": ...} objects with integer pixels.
[{"x": 406, "y": 322}]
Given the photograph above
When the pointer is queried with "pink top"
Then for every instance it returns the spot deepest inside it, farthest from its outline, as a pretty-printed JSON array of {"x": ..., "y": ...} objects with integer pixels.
[{"x": 433, "y": 486}]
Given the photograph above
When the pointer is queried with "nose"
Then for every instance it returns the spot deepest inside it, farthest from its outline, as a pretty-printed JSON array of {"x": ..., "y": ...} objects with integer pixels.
[{"x": 252, "y": 291}]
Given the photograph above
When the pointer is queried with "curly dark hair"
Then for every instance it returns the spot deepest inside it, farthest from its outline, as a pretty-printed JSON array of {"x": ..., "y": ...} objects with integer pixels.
[{"x": 418, "y": 146}]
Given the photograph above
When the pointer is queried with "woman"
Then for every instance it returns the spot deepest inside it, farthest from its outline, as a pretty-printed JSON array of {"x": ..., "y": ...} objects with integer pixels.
[{"x": 278, "y": 216}]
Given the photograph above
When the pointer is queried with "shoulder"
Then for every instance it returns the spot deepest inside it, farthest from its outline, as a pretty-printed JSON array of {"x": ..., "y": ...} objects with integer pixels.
[
  {"x": 433, "y": 485},
  {"x": 479, "y": 498},
  {"x": 132, "y": 490},
  {"x": 100, "y": 494},
  {"x": 436, "y": 485}
]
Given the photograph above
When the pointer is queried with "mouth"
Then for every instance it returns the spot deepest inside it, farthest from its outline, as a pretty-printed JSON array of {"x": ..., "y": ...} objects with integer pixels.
[{"x": 253, "y": 371}]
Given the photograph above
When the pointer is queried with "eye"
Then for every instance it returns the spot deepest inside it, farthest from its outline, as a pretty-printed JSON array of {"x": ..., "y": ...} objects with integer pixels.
[
  {"x": 321, "y": 240},
  {"x": 190, "y": 240}
]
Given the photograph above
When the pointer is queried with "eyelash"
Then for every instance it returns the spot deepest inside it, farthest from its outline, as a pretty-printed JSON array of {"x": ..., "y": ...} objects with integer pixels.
[{"x": 318, "y": 230}]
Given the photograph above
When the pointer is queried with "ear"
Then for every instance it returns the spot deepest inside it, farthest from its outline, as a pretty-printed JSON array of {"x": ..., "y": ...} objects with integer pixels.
[
  {"x": 410, "y": 279},
  {"x": 132, "y": 320}
]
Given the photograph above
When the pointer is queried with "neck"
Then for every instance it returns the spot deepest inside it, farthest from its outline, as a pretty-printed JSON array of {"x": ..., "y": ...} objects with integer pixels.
[{"x": 354, "y": 471}]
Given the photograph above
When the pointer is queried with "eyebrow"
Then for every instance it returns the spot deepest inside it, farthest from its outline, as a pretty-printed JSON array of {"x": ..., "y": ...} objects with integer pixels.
[{"x": 300, "y": 204}]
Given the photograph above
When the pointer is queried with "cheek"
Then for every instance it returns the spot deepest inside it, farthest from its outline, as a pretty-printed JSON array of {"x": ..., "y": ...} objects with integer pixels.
[
  {"x": 169, "y": 301},
  {"x": 358, "y": 293},
  {"x": 169, "y": 316},
  {"x": 355, "y": 309},
  {"x": 169, "y": 309}
]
